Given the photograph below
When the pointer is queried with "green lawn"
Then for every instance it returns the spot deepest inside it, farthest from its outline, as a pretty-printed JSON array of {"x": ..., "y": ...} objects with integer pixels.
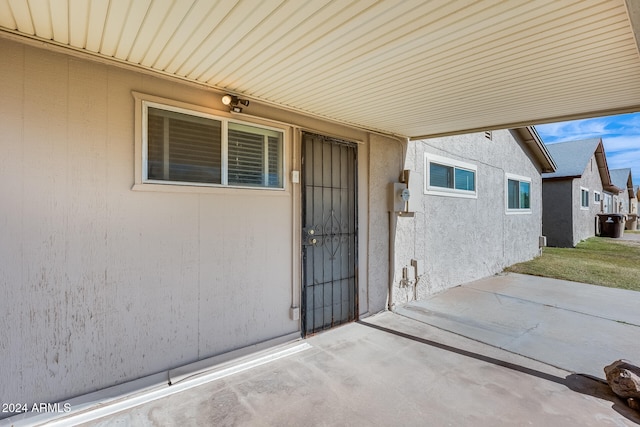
[{"x": 599, "y": 261}]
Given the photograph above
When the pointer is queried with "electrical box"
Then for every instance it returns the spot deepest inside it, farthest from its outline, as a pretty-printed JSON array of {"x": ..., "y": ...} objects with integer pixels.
[
  {"x": 399, "y": 196},
  {"x": 415, "y": 186}
]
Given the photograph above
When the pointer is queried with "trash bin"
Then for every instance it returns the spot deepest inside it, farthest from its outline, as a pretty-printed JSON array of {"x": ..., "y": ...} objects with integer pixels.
[
  {"x": 632, "y": 221},
  {"x": 611, "y": 225}
]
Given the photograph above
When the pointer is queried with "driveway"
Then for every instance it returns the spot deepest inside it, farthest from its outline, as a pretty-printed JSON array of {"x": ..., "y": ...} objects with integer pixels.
[
  {"x": 577, "y": 327},
  {"x": 508, "y": 350}
]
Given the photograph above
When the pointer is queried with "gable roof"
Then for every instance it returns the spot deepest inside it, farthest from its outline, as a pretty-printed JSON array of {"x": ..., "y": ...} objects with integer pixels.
[
  {"x": 572, "y": 158},
  {"x": 622, "y": 179},
  {"x": 529, "y": 136},
  {"x": 412, "y": 69}
]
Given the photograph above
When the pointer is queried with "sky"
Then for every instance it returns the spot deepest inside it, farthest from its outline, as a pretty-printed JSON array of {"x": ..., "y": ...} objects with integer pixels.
[{"x": 620, "y": 136}]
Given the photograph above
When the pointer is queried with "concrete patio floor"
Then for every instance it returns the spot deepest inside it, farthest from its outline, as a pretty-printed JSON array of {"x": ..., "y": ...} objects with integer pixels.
[{"x": 507, "y": 350}]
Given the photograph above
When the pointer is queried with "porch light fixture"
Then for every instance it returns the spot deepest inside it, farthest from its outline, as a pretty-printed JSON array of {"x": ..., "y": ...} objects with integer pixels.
[{"x": 232, "y": 101}]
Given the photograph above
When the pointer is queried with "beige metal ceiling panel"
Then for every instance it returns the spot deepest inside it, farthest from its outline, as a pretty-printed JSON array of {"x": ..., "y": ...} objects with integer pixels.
[
  {"x": 149, "y": 30},
  {"x": 96, "y": 21},
  {"x": 114, "y": 26},
  {"x": 472, "y": 62},
  {"x": 21, "y": 16},
  {"x": 60, "y": 20},
  {"x": 133, "y": 23},
  {"x": 410, "y": 67},
  {"x": 239, "y": 22},
  {"x": 78, "y": 12},
  {"x": 41, "y": 18},
  {"x": 165, "y": 29},
  {"x": 282, "y": 60},
  {"x": 261, "y": 47},
  {"x": 465, "y": 66},
  {"x": 207, "y": 38}
]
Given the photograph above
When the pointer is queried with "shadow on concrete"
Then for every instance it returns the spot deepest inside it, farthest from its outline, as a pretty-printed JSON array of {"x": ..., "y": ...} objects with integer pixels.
[{"x": 579, "y": 383}]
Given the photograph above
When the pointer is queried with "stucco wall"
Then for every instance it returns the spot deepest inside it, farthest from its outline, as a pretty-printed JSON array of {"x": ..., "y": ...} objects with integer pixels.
[
  {"x": 457, "y": 239},
  {"x": 557, "y": 218},
  {"x": 102, "y": 284},
  {"x": 386, "y": 164},
  {"x": 585, "y": 220}
]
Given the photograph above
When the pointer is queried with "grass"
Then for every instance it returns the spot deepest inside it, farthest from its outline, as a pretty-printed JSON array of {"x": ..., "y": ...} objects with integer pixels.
[{"x": 599, "y": 261}]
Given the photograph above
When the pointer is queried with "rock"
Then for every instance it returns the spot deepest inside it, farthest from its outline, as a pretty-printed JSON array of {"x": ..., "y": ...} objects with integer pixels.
[{"x": 624, "y": 379}]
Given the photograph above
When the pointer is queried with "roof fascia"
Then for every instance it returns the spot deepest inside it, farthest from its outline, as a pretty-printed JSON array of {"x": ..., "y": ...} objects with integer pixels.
[
  {"x": 603, "y": 168},
  {"x": 529, "y": 136}
]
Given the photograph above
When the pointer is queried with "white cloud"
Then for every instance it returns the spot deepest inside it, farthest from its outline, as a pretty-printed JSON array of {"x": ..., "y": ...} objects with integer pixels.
[
  {"x": 620, "y": 136},
  {"x": 572, "y": 131}
]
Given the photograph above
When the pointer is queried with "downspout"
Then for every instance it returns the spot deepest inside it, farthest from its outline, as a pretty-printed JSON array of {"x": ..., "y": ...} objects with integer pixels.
[{"x": 392, "y": 256}]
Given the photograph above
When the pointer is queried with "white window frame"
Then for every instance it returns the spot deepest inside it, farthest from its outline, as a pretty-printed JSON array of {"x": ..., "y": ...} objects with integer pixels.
[
  {"x": 449, "y": 192},
  {"x": 597, "y": 197},
  {"x": 519, "y": 178},
  {"x": 582, "y": 207},
  {"x": 144, "y": 101}
]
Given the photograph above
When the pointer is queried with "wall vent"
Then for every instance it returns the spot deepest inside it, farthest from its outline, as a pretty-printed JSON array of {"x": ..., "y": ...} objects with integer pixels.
[{"x": 488, "y": 134}]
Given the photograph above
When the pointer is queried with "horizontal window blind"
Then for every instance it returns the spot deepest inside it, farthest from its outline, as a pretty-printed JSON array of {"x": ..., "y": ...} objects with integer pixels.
[
  {"x": 197, "y": 148},
  {"x": 440, "y": 175},
  {"x": 246, "y": 154},
  {"x": 183, "y": 147}
]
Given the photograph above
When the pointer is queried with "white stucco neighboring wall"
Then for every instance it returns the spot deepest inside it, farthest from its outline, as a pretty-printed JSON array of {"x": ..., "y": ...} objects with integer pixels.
[
  {"x": 456, "y": 240},
  {"x": 102, "y": 284}
]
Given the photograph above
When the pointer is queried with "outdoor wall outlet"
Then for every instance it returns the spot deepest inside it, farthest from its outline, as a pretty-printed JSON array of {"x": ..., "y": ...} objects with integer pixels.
[
  {"x": 295, "y": 177},
  {"x": 418, "y": 266}
]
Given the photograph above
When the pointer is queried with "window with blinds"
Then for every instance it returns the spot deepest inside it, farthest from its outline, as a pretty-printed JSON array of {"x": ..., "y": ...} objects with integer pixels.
[
  {"x": 183, "y": 148},
  {"x": 449, "y": 177},
  {"x": 205, "y": 150},
  {"x": 254, "y": 156}
]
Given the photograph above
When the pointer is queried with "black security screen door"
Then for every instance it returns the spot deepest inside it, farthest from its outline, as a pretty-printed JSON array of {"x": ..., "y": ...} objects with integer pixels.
[{"x": 329, "y": 240}]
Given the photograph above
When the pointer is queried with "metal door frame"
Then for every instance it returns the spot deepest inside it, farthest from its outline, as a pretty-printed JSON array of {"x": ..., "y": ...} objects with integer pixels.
[{"x": 303, "y": 212}]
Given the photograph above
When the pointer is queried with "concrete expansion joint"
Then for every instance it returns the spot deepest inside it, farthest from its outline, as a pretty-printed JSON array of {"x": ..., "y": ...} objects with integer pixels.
[{"x": 553, "y": 306}]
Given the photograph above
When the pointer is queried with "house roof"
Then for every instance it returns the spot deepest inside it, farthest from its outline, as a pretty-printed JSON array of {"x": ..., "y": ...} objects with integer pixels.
[
  {"x": 572, "y": 158},
  {"x": 412, "y": 69},
  {"x": 622, "y": 179},
  {"x": 530, "y": 136}
]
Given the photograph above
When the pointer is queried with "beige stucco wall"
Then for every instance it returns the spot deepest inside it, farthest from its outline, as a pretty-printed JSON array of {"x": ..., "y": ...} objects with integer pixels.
[{"x": 102, "y": 284}]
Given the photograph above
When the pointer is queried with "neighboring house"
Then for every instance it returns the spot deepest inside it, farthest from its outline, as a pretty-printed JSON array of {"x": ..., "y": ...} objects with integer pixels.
[
  {"x": 574, "y": 194},
  {"x": 626, "y": 197},
  {"x": 477, "y": 207}
]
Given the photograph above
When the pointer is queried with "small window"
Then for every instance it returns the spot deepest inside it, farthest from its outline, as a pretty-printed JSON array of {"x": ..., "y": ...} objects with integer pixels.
[
  {"x": 447, "y": 177},
  {"x": 596, "y": 196},
  {"x": 584, "y": 194},
  {"x": 180, "y": 146},
  {"x": 518, "y": 194}
]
